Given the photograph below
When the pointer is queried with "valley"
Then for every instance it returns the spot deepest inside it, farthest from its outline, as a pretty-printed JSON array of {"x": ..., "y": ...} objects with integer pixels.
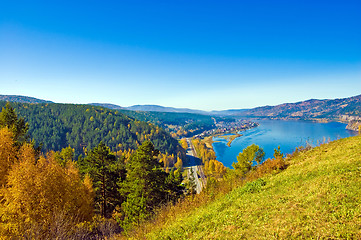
[
  {"x": 172, "y": 120},
  {"x": 192, "y": 170}
]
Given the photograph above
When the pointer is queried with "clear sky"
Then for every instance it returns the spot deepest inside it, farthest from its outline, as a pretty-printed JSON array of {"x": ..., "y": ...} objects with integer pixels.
[{"x": 208, "y": 55}]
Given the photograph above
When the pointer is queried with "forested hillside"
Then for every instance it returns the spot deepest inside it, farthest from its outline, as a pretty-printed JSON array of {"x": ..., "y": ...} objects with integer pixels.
[
  {"x": 57, "y": 126},
  {"x": 51, "y": 196}
]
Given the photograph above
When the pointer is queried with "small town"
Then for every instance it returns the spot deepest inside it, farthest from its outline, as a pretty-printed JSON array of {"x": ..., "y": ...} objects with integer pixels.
[{"x": 225, "y": 127}]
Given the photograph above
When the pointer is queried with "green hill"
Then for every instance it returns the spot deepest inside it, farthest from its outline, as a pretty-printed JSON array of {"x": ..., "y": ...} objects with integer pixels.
[
  {"x": 317, "y": 197},
  {"x": 22, "y": 99},
  {"x": 57, "y": 126}
]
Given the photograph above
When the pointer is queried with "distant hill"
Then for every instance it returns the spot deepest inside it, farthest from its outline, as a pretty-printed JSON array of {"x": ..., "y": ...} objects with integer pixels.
[
  {"x": 229, "y": 112},
  {"x": 346, "y": 109},
  {"x": 107, "y": 105},
  {"x": 22, "y": 99},
  {"x": 331, "y": 109},
  {"x": 157, "y": 108},
  {"x": 310, "y": 109}
]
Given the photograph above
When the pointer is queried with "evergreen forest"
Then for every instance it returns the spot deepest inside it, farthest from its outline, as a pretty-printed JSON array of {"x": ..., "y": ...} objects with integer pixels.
[{"x": 83, "y": 127}]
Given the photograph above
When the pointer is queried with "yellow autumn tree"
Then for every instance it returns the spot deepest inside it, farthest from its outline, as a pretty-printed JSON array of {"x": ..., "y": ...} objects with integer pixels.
[
  {"x": 179, "y": 163},
  {"x": 214, "y": 168},
  {"x": 184, "y": 143},
  {"x": 220, "y": 169},
  {"x": 41, "y": 195},
  {"x": 7, "y": 154}
]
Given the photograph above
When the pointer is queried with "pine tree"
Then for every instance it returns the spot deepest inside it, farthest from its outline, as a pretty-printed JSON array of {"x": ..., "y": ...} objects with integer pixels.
[
  {"x": 105, "y": 169},
  {"x": 174, "y": 185},
  {"x": 144, "y": 187},
  {"x": 17, "y": 126}
]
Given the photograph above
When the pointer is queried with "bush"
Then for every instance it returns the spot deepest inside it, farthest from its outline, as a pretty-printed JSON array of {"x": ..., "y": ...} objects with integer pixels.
[{"x": 255, "y": 186}]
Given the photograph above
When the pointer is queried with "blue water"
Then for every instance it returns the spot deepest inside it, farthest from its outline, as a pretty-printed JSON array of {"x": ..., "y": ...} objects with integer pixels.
[{"x": 286, "y": 134}]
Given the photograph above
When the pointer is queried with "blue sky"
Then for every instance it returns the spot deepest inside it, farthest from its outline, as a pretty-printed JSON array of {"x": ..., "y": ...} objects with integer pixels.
[{"x": 208, "y": 55}]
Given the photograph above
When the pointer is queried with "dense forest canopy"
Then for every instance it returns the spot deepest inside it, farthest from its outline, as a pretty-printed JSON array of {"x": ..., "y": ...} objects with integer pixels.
[{"x": 83, "y": 127}]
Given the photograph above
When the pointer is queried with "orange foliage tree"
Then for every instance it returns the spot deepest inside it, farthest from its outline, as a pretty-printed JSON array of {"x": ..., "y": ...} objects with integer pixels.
[
  {"x": 7, "y": 154},
  {"x": 37, "y": 191},
  {"x": 183, "y": 143}
]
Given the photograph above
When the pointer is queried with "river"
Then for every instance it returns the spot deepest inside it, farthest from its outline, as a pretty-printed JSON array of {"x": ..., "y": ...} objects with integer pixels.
[{"x": 273, "y": 133}]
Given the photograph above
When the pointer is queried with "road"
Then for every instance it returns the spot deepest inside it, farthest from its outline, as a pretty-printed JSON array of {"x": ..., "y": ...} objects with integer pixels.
[{"x": 198, "y": 174}]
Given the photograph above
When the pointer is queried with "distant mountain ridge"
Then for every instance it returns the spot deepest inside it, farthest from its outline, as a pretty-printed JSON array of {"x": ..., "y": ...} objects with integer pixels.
[
  {"x": 107, "y": 105},
  {"x": 157, "y": 108},
  {"x": 334, "y": 109},
  {"x": 228, "y": 112},
  {"x": 22, "y": 99},
  {"x": 310, "y": 109}
]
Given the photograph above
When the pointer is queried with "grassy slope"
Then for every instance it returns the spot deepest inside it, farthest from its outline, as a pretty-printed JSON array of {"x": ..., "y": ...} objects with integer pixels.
[{"x": 318, "y": 196}]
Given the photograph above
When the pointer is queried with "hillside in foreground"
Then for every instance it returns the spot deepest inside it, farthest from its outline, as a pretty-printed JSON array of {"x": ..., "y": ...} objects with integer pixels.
[{"x": 317, "y": 197}]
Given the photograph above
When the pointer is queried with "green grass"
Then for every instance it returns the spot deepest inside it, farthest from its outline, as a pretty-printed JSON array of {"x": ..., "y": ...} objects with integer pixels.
[{"x": 317, "y": 197}]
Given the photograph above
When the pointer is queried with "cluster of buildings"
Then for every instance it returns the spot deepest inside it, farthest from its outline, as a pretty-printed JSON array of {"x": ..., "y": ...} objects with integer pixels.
[{"x": 224, "y": 127}]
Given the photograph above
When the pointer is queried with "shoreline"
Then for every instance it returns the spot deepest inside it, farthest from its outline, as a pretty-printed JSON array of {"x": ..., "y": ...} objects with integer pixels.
[{"x": 230, "y": 137}]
